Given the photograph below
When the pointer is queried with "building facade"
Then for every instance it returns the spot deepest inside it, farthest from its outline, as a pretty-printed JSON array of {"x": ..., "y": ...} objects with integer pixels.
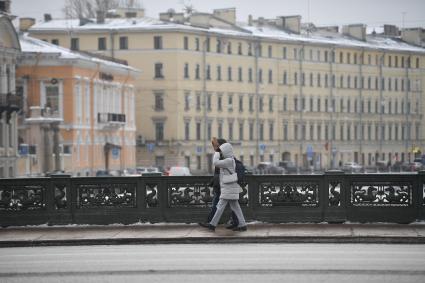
[
  {"x": 78, "y": 114},
  {"x": 277, "y": 89},
  {"x": 9, "y": 101}
]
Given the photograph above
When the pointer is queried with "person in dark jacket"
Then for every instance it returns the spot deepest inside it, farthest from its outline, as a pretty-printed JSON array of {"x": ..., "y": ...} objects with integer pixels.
[{"x": 215, "y": 183}]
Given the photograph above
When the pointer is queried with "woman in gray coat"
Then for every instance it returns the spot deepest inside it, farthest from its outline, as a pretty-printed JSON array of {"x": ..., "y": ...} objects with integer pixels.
[{"x": 229, "y": 191}]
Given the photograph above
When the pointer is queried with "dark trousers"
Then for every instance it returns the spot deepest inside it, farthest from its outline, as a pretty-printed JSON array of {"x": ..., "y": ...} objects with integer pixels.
[{"x": 215, "y": 200}]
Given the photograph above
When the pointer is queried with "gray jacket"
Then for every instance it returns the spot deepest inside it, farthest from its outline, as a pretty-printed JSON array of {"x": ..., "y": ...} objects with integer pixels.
[{"x": 232, "y": 190}]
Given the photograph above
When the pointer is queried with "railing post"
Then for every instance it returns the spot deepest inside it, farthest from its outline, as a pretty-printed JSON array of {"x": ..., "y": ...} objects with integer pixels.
[
  {"x": 59, "y": 199},
  {"x": 336, "y": 196},
  {"x": 419, "y": 196}
]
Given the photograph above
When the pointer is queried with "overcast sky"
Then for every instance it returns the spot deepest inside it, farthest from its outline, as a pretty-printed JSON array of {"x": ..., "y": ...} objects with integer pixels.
[{"x": 320, "y": 12}]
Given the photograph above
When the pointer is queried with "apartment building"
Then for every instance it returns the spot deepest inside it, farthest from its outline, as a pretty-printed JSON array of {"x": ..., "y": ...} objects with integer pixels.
[
  {"x": 278, "y": 89},
  {"x": 9, "y": 102},
  {"x": 78, "y": 115}
]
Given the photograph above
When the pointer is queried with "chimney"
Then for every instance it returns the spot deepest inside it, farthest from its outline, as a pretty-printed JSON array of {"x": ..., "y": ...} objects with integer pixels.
[
  {"x": 250, "y": 20},
  {"x": 100, "y": 17},
  {"x": 25, "y": 24},
  {"x": 414, "y": 36},
  {"x": 289, "y": 23},
  {"x": 391, "y": 30},
  {"x": 357, "y": 31},
  {"x": 47, "y": 17},
  {"x": 229, "y": 14}
]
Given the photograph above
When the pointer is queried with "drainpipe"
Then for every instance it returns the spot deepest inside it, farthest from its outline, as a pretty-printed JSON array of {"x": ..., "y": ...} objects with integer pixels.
[
  {"x": 112, "y": 37},
  {"x": 360, "y": 112},
  {"x": 406, "y": 110},
  {"x": 381, "y": 101},
  {"x": 204, "y": 92},
  {"x": 301, "y": 109},
  {"x": 331, "y": 128},
  {"x": 257, "y": 100}
]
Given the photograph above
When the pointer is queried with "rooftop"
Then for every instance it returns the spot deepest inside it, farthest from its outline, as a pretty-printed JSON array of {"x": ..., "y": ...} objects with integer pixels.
[
  {"x": 261, "y": 28},
  {"x": 33, "y": 45}
]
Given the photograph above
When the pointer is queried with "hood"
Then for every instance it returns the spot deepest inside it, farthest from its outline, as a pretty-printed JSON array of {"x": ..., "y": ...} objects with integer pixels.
[{"x": 226, "y": 150}]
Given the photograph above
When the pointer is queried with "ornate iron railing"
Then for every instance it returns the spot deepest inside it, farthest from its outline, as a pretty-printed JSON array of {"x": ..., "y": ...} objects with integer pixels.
[{"x": 329, "y": 197}]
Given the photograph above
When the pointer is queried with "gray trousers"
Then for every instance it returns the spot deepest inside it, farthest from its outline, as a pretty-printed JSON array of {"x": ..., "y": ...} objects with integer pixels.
[{"x": 234, "y": 205}]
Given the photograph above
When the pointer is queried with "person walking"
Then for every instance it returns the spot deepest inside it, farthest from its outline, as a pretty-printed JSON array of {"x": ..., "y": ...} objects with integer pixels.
[
  {"x": 215, "y": 183},
  {"x": 230, "y": 189}
]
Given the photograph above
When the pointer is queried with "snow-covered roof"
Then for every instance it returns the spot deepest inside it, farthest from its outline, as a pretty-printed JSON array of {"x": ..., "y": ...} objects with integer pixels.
[
  {"x": 266, "y": 32},
  {"x": 34, "y": 45}
]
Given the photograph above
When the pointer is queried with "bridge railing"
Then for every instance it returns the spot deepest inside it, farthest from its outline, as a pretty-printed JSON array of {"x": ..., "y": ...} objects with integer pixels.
[{"x": 329, "y": 197}]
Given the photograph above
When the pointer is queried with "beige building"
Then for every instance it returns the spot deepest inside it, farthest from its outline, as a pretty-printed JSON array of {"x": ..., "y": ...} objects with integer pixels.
[
  {"x": 277, "y": 89},
  {"x": 9, "y": 102},
  {"x": 78, "y": 116}
]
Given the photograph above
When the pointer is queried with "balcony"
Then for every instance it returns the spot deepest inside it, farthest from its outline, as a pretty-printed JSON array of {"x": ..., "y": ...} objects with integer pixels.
[
  {"x": 111, "y": 119},
  {"x": 10, "y": 103}
]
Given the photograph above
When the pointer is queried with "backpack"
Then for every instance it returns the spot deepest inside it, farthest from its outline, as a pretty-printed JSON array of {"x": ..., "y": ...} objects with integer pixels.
[{"x": 240, "y": 171}]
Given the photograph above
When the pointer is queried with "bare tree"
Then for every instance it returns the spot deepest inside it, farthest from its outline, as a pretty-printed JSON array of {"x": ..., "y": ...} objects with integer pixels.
[{"x": 88, "y": 8}]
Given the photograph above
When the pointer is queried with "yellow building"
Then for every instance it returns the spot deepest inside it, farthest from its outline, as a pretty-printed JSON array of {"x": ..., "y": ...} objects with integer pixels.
[
  {"x": 276, "y": 88},
  {"x": 9, "y": 102},
  {"x": 78, "y": 113}
]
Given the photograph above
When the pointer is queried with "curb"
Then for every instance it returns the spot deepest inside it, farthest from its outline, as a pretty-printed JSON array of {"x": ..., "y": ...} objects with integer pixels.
[{"x": 217, "y": 240}]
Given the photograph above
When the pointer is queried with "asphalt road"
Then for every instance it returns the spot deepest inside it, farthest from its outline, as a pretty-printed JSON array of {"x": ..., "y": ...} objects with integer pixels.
[{"x": 213, "y": 263}]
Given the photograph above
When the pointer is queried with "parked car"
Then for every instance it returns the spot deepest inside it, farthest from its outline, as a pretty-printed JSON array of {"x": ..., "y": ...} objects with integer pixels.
[
  {"x": 289, "y": 166},
  {"x": 130, "y": 172},
  {"x": 179, "y": 171},
  {"x": 416, "y": 166},
  {"x": 269, "y": 168},
  {"x": 352, "y": 167},
  {"x": 103, "y": 173},
  {"x": 400, "y": 166}
]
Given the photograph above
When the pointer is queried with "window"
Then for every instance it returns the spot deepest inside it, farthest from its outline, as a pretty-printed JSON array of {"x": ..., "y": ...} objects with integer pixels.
[
  {"x": 285, "y": 132},
  {"x": 251, "y": 103},
  {"x": 75, "y": 44},
  {"x": 197, "y": 44},
  {"x": 159, "y": 101},
  {"x": 284, "y": 52},
  {"x": 311, "y": 79},
  {"x": 229, "y": 48},
  {"x": 260, "y": 75},
  {"x": 270, "y": 51},
  {"x": 218, "y": 73},
  {"x": 218, "y": 46},
  {"x": 186, "y": 43},
  {"x": 157, "y": 42},
  {"x": 271, "y": 131},
  {"x": 249, "y": 49},
  {"x": 123, "y": 42},
  {"x": 261, "y": 131},
  {"x": 285, "y": 78},
  {"x": 198, "y": 101},
  {"x": 186, "y": 101},
  {"x": 229, "y": 74},
  {"x": 220, "y": 129},
  {"x": 187, "y": 131},
  {"x": 230, "y": 130},
  {"x": 159, "y": 131},
  {"x": 186, "y": 70},
  {"x": 239, "y": 48},
  {"x": 318, "y": 105},
  {"x": 197, "y": 72},
  {"x": 208, "y": 72},
  {"x": 251, "y": 131},
  {"x": 295, "y": 78},
  {"x": 285, "y": 103},
  {"x": 209, "y": 129},
  {"x": 101, "y": 43},
  {"x": 219, "y": 103},
  {"x": 261, "y": 104},
  {"x": 239, "y": 74},
  {"x": 230, "y": 103},
  {"x": 241, "y": 131},
  {"x": 198, "y": 131},
  {"x": 270, "y": 104},
  {"x": 209, "y": 102},
  {"x": 52, "y": 98},
  {"x": 270, "y": 76},
  {"x": 55, "y": 41},
  {"x": 159, "y": 71},
  {"x": 241, "y": 103},
  {"x": 250, "y": 75}
]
